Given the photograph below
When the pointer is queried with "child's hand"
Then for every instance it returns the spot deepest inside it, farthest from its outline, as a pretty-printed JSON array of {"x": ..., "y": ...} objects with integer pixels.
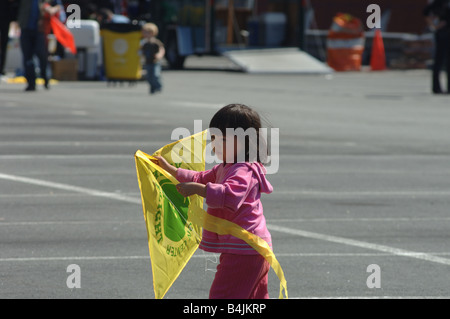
[
  {"x": 161, "y": 161},
  {"x": 191, "y": 188}
]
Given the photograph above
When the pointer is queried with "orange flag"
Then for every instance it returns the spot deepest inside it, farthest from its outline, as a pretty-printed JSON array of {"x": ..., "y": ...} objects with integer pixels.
[{"x": 63, "y": 34}]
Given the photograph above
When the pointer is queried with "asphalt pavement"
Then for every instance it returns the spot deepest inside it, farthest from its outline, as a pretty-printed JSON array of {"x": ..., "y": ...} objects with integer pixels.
[{"x": 361, "y": 198}]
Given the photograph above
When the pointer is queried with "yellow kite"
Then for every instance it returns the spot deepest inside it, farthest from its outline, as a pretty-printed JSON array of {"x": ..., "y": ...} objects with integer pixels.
[{"x": 174, "y": 223}]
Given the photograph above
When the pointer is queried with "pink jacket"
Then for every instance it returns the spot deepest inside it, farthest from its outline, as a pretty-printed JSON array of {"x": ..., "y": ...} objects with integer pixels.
[{"x": 233, "y": 193}]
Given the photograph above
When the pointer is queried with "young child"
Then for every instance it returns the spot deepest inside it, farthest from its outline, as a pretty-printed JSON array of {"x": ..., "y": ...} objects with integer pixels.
[
  {"x": 153, "y": 51},
  {"x": 232, "y": 191}
]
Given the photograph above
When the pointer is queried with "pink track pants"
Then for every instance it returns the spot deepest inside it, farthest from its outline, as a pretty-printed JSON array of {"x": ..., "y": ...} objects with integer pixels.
[{"x": 240, "y": 277}]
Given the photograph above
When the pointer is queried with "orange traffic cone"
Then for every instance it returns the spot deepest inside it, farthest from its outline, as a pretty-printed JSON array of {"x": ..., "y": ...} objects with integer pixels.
[{"x": 378, "y": 58}]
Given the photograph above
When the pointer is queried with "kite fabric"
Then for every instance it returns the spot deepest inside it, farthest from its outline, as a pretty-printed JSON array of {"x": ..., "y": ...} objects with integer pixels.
[
  {"x": 174, "y": 223},
  {"x": 172, "y": 238},
  {"x": 63, "y": 34}
]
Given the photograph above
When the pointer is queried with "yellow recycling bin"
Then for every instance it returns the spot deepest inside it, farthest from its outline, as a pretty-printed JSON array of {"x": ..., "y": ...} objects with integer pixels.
[{"x": 121, "y": 51}]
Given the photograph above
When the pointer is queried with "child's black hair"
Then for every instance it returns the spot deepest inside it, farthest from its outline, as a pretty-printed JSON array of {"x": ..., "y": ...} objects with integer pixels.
[{"x": 237, "y": 116}]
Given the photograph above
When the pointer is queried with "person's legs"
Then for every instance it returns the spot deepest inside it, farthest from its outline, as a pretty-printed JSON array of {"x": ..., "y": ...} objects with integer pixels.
[
  {"x": 150, "y": 70},
  {"x": 240, "y": 277},
  {"x": 154, "y": 77},
  {"x": 157, "y": 77},
  {"x": 4, "y": 30},
  {"x": 27, "y": 44},
  {"x": 439, "y": 59},
  {"x": 261, "y": 288},
  {"x": 447, "y": 59},
  {"x": 42, "y": 54}
]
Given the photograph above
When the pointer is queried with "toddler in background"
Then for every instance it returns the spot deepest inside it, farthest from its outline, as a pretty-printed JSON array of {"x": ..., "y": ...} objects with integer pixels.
[{"x": 153, "y": 51}]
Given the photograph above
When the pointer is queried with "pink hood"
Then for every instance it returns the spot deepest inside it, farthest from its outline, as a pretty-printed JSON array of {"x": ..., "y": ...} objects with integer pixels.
[{"x": 260, "y": 173}]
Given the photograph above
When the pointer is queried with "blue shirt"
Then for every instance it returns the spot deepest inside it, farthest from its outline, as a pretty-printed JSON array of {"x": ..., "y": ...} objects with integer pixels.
[
  {"x": 34, "y": 15},
  {"x": 117, "y": 18}
]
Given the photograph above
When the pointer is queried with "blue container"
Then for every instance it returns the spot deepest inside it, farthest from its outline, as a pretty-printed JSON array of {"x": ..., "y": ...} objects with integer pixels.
[{"x": 272, "y": 29}]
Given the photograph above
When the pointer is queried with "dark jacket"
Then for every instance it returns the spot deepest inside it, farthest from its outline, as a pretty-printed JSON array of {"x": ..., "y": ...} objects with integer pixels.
[
  {"x": 440, "y": 9},
  {"x": 8, "y": 11},
  {"x": 24, "y": 12}
]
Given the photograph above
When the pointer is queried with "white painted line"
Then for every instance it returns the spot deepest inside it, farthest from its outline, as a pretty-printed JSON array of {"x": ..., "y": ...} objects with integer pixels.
[
  {"x": 362, "y": 244},
  {"x": 83, "y": 143},
  {"x": 373, "y": 297},
  {"x": 361, "y": 219},
  {"x": 317, "y": 194},
  {"x": 29, "y": 259},
  {"x": 196, "y": 256},
  {"x": 374, "y": 193},
  {"x": 295, "y": 232},
  {"x": 348, "y": 254},
  {"x": 300, "y": 220},
  {"x": 363, "y": 157},
  {"x": 290, "y": 192},
  {"x": 73, "y": 222},
  {"x": 82, "y": 190},
  {"x": 64, "y": 157},
  {"x": 87, "y": 258},
  {"x": 51, "y": 194}
]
